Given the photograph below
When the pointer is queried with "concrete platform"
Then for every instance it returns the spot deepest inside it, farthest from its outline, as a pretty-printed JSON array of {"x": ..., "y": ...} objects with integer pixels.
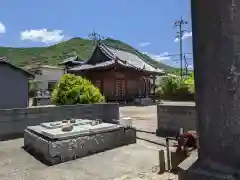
[{"x": 54, "y": 151}]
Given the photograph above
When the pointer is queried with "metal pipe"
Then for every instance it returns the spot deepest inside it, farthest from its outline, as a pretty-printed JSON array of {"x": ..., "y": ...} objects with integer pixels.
[{"x": 153, "y": 142}]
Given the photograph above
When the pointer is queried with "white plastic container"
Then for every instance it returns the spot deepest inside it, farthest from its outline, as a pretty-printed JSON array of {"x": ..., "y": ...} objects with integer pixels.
[{"x": 126, "y": 122}]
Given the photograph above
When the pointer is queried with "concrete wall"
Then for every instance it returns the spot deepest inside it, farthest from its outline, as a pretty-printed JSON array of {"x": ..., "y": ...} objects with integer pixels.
[
  {"x": 14, "y": 88},
  {"x": 14, "y": 121},
  {"x": 175, "y": 115}
]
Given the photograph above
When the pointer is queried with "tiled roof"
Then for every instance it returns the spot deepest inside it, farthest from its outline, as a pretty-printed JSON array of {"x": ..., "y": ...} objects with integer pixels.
[
  {"x": 74, "y": 59},
  {"x": 124, "y": 58},
  {"x": 105, "y": 49},
  {"x": 91, "y": 66},
  {"x": 133, "y": 60}
]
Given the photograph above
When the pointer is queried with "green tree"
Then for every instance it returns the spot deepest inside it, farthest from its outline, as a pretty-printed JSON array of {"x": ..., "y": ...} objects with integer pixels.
[{"x": 73, "y": 89}]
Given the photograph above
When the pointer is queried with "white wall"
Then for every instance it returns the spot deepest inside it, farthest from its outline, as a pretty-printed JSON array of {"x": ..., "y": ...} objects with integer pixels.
[{"x": 49, "y": 74}]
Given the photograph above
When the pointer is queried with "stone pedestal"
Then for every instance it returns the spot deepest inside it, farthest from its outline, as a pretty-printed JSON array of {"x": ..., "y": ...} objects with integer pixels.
[
  {"x": 216, "y": 46},
  {"x": 144, "y": 101},
  {"x": 52, "y": 145},
  {"x": 41, "y": 101}
]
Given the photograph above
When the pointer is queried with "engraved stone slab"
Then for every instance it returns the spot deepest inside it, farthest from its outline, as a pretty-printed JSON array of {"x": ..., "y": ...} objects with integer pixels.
[
  {"x": 78, "y": 130},
  {"x": 59, "y": 124}
]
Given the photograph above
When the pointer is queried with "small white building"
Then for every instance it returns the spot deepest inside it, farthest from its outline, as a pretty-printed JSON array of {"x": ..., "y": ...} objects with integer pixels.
[{"x": 47, "y": 76}]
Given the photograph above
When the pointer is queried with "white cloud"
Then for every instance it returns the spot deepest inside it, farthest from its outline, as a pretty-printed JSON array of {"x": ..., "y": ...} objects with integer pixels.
[
  {"x": 42, "y": 35},
  {"x": 2, "y": 28},
  {"x": 167, "y": 59},
  {"x": 190, "y": 66},
  {"x": 185, "y": 36},
  {"x": 143, "y": 44},
  {"x": 159, "y": 57}
]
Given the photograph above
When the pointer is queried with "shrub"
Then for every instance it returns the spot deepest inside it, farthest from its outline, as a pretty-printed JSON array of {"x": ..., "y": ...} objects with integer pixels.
[
  {"x": 190, "y": 82},
  {"x": 73, "y": 89},
  {"x": 177, "y": 88}
]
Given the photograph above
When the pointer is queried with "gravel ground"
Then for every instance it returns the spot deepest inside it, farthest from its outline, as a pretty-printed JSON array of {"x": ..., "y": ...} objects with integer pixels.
[{"x": 133, "y": 162}]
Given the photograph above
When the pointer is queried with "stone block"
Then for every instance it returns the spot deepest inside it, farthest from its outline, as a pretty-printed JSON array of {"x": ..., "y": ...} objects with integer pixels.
[{"x": 82, "y": 141}]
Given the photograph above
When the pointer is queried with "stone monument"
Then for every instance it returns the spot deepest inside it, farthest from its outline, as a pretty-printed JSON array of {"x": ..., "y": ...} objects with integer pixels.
[
  {"x": 66, "y": 140},
  {"x": 42, "y": 98},
  {"x": 216, "y": 47}
]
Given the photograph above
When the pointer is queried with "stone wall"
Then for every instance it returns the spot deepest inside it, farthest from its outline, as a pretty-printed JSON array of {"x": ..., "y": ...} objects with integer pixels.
[
  {"x": 175, "y": 115},
  {"x": 14, "y": 121}
]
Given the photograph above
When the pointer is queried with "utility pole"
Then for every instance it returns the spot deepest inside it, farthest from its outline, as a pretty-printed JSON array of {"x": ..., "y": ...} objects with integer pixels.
[{"x": 179, "y": 24}]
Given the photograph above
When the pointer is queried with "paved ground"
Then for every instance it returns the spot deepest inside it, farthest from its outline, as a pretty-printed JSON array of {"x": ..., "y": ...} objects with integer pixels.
[
  {"x": 133, "y": 162},
  {"x": 137, "y": 161},
  {"x": 144, "y": 117}
]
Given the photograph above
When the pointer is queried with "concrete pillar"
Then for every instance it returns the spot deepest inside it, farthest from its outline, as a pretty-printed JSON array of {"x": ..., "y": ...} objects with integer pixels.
[
  {"x": 216, "y": 46},
  {"x": 162, "y": 165}
]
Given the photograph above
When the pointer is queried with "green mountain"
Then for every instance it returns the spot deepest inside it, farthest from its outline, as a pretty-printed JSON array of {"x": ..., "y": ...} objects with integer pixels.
[{"x": 52, "y": 55}]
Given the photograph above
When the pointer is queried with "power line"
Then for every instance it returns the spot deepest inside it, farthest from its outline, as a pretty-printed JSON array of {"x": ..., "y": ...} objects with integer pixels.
[
  {"x": 187, "y": 61},
  {"x": 179, "y": 59},
  {"x": 170, "y": 55}
]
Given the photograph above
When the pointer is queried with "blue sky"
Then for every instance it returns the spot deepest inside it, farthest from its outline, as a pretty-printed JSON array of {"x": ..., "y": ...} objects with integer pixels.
[{"x": 146, "y": 25}]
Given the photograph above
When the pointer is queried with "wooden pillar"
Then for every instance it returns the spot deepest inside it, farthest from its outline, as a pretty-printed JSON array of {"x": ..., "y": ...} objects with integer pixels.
[
  {"x": 145, "y": 87},
  {"x": 125, "y": 89},
  {"x": 149, "y": 87},
  {"x": 139, "y": 87},
  {"x": 154, "y": 84},
  {"x": 102, "y": 88}
]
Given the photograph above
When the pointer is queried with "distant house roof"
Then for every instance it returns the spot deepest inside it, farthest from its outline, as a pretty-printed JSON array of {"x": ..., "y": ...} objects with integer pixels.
[
  {"x": 74, "y": 60},
  {"x": 122, "y": 57},
  {"x": 4, "y": 61}
]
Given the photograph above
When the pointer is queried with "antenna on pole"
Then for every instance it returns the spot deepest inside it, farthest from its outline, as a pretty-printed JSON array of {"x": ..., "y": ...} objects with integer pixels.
[
  {"x": 179, "y": 24},
  {"x": 95, "y": 37}
]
